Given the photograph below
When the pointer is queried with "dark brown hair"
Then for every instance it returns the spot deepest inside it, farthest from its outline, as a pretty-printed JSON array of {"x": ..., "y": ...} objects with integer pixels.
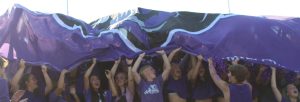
[{"x": 240, "y": 72}]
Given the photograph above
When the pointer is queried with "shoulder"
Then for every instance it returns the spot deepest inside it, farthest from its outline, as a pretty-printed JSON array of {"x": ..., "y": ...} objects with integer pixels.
[
  {"x": 2, "y": 80},
  {"x": 53, "y": 97},
  {"x": 3, "y": 83}
]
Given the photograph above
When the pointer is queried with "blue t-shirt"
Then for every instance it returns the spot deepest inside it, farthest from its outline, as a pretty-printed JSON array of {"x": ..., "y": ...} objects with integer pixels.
[
  {"x": 204, "y": 90},
  {"x": 4, "y": 95},
  {"x": 54, "y": 98},
  {"x": 178, "y": 86},
  {"x": 265, "y": 94},
  {"x": 240, "y": 93},
  {"x": 151, "y": 91},
  {"x": 88, "y": 96},
  {"x": 34, "y": 97}
]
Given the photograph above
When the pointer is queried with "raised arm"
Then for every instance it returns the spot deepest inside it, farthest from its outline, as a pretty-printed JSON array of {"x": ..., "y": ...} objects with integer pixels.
[
  {"x": 192, "y": 74},
  {"x": 3, "y": 66},
  {"x": 48, "y": 80},
  {"x": 61, "y": 83},
  {"x": 114, "y": 68},
  {"x": 87, "y": 74},
  {"x": 173, "y": 53},
  {"x": 73, "y": 93},
  {"x": 274, "y": 86},
  {"x": 111, "y": 83},
  {"x": 167, "y": 65},
  {"x": 17, "y": 77},
  {"x": 130, "y": 76},
  {"x": 223, "y": 86},
  {"x": 137, "y": 77},
  {"x": 258, "y": 79}
]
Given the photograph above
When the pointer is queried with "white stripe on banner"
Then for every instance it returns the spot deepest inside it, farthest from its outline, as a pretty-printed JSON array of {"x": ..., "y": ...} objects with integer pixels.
[
  {"x": 61, "y": 23},
  {"x": 173, "y": 32},
  {"x": 123, "y": 35}
]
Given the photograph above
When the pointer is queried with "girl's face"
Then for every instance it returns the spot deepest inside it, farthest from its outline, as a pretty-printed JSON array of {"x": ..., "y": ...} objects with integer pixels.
[
  {"x": 292, "y": 90},
  {"x": 201, "y": 71},
  {"x": 95, "y": 82},
  {"x": 176, "y": 71},
  {"x": 32, "y": 82},
  {"x": 121, "y": 79}
]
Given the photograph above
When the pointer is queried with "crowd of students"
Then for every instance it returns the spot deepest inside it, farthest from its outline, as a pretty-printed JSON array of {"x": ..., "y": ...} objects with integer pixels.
[{"x": 180, "y": 78}]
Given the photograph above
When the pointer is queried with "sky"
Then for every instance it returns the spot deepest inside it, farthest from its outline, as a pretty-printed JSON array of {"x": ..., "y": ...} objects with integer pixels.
[{"x": 89, "y": 10}]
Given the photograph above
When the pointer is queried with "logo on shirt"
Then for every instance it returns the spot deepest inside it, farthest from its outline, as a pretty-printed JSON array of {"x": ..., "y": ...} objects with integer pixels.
[{"x": 152, "y": 89}]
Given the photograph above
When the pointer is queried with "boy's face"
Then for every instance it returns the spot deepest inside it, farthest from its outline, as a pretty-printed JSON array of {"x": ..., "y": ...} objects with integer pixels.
[
  {"x": 231, "y": 78},
  {"x": 149, "y": 72}
]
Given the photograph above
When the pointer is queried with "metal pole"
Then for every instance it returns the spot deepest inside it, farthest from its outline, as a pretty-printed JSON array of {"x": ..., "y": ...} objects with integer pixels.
[
  {"x": 228, "y": 4},
  {"x": 67, "y": 7}
]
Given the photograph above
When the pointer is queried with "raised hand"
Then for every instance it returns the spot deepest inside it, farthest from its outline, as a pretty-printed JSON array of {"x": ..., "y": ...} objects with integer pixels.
[
  {"x": 142, "y": 55},
  {"x": 273, "y": 68},
  {"x": 210, "y": 61},
  {"x": 161, "y": 52},
  {"x": 22, "y": 63},
  {"x": 200, "y": 57},
  {"x": 129, "y": 61},
  {"x": 108, "y": 74},
  {"x": 44, "y": 68},
  {"x": 64, "y": 71},
  {"x": 118, "y": 61},
  {"x": 72, "y": 90},
  {"x": 176, "y": 50},
  {"x": 17, "y": 95},
  {"x": 94, "y": 60}
]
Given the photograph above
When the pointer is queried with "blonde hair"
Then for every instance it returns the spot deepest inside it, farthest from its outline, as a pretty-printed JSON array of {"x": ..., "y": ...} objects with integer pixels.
[{"x": 141, "y": 72}]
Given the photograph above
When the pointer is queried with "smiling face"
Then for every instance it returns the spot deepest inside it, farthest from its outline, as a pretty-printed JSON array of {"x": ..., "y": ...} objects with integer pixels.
[
  {"x": 176, "y": 71},
  {"x": 121, "y": 79},
  {"x": 201, "y": 71},
  {"x": 148, "y": 72},
  {"x": 95, "y": 82},
  {"x": 292, "y": 90},
  {"x": 31, "y": 82}
]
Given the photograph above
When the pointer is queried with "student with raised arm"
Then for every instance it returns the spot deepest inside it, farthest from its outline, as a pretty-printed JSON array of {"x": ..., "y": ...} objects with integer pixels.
[
  {"x": 29, "y": 83},
  {"x": 93, "y": 91},
  {"x": 291, "y": 91},
  {"x": 177, "y": 82},
  {"x": 238, "y": 90},
  {"x": 4, "y": 94},
  {"x": 150, "y": 86},
  {"x": 57, "y": 94},
  {"x": 203, "y": 88},
  {"x": 124, "y": 82}
]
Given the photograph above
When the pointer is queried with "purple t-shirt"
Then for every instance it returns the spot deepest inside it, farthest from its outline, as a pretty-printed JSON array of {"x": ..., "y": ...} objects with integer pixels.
[
  {"x": 54, "y": 98},
  {"x": 88, "y": 96},
  {"x": 34, "y": 97},
  {"x": 240, "y": 93},
  {"x": 4, "y": 96},
  {"x": 178, "y": 86},
  {"x": 126, "y": 94},
  {"x": 204, "y": 90},
  {"x": 151, "y": 91}
]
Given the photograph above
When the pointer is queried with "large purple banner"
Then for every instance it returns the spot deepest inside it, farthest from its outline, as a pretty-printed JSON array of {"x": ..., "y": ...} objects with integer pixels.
[{"x": 62, "y": 41}]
